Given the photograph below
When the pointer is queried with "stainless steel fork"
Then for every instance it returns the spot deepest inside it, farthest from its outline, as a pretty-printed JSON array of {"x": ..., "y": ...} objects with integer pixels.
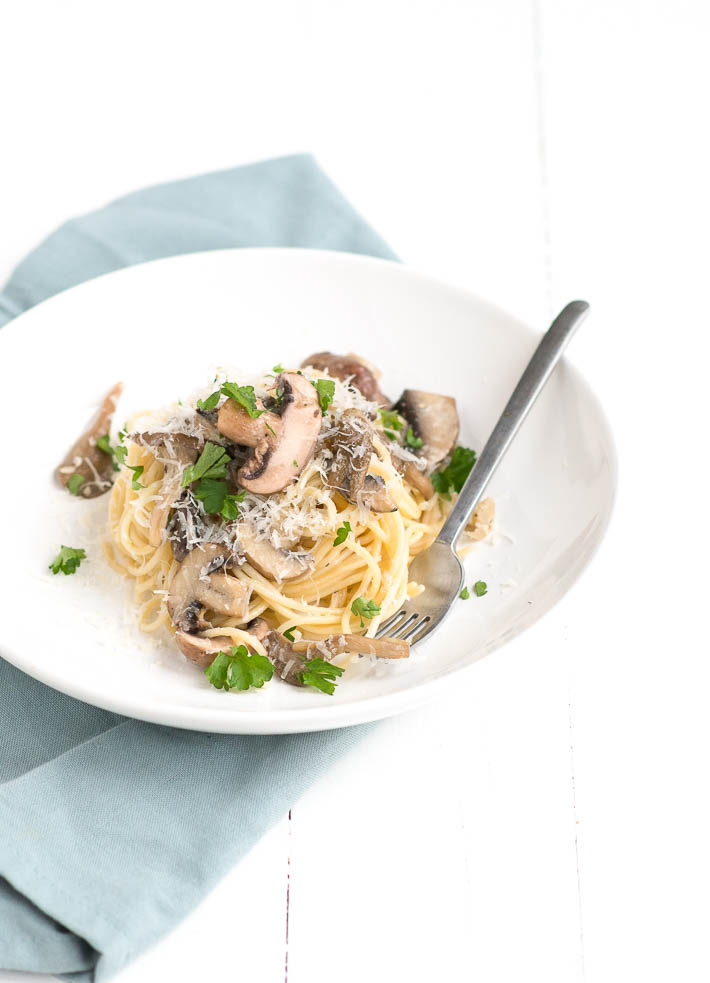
[{"x": 438, "y": 568}]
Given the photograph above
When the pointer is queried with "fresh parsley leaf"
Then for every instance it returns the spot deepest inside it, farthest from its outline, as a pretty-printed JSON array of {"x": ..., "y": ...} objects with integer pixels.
[
  {"x": 465, "y": 594},
  {"x": 480, "y": 588},
  {"x": 238, "y": 669},
  {"x": 321, "y": 674},
  {"x": 412, "y": 440},
  {"x": 391, "y": 419},
  {"x": 137, "y": 470},
  {"x": 210, "y": 403},
  {"x": 278, "y": 369},
  {"x": 104, "y": 444},
  {"x": 216, "y": 498},
  {"x": 279, "y": 395},
  {"x": 455, "y": 473},
  {"x": 67, "y": 560},
  {"x": 295, "y": 463},
  {"x": 364, "y": 608},
  {"x": 120, "y": 452},
  {"x": 75, "y": 483},
  {"x": 326, "y": 390},
  {"x": 244, "y": 395},
  {"x": 390, "y": 434},
  {"x": 289, "y": 634},
  {"x": 212, "y": 463},
  {"x": 269, "y": 428},
  {"x": 342, "y": 534}
]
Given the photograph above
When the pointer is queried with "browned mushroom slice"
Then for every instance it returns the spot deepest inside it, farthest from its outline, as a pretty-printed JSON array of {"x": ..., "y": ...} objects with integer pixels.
[
  {"x": 434, "y": 419},
  {"x": 374, "y": 495},
  {"x": 279, "y": 457},
  {"x": 176, "y": 451},
  {"x": 200, "y": 580},
  {"x": 85, "y": 459},
  {"x": 287, "y": 664},
  {"x": 235, "y": 423},
  {"x": 348, "y": 368},
  {"x": 417, "y": 479},
  {"x": 202, "y": 651},
  {"x": 351, "y": 447},
  {"x": 383, "y": 648},
  {"x": 276, "y": 564}
]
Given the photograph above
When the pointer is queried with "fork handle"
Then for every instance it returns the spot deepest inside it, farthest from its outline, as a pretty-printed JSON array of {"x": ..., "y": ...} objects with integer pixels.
[{"x": 532, "y": 381}]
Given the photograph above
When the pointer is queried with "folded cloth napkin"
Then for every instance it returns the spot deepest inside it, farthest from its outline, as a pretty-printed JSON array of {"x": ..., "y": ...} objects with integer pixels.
[{"x": 103, "y": 818}]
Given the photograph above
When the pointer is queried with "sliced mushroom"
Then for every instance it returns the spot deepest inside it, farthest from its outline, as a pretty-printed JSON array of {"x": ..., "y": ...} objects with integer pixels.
[
  {"x": 279, "y": 457},
  {"x": 235, "y": 423},
  {"x": 200, "y": 580},
  {"x": 417, "y": 479},
  {"x": 434, "y": 419},
  {"x": 383, "y": 648},
  {"x": 86, "y": 459},
  {"x": 202, "y": 651},
  {"x": 349, "y": 368},
  {"x": 374, "y": 496},
  {"x": 186, "y": 526},
  {"x": 276, "y": 564},
  {"x": 287, "y": 664},
  {"x": 176, "y": 451},
  {"x": 351, "y": 447}
]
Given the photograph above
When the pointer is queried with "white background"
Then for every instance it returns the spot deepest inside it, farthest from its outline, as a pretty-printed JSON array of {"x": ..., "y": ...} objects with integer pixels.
[{"x": 549, "y": 820}]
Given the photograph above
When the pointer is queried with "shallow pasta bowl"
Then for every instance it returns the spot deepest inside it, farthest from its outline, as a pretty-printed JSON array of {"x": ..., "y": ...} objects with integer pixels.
[{"x": 162, "y": 327}]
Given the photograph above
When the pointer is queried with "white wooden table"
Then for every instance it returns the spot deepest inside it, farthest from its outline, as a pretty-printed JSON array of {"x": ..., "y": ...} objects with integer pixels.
[{"x": 549, "y": 819}]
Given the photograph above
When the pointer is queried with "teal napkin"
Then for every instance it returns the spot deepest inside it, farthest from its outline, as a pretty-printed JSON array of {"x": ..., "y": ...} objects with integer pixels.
[{"x": 103, "y": 819}]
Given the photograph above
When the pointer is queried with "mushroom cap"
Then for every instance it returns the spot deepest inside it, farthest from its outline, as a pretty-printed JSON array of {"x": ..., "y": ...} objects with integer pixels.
[
  {"x": 348, "y": 368},
  {"x": 433, "y": 418},
  {"x": 276, "y": 564},
  {"x": 374, "y": 495},
  {"x": 281, "y": 456},
  {"x": 199, "y": 579},
  {"x": 85, "y": 458}
]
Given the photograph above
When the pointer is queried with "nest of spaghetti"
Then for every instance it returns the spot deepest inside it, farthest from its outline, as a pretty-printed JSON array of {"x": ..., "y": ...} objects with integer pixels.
[{"x": 269, "y": 524}]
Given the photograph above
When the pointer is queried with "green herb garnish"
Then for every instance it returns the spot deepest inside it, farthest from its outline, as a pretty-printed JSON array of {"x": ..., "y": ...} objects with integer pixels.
[
  {"x": 342, "y": 534},
  {"x": 321, "y": 674},
  {"x": 217, "y": 499},
  {"x": 212, "y": 463},
  {"x": 278, "y": 369},
  {"x": 454, "y": 475},
  {"x": 465, "y": 594},
  {"x": 244, "y": 395},
  {"x": 137, "y": 470},
  {"x": 289, "y": 634},
  {"x": 67, "y": 560},
  {"x": 238, "y": 669},
  {"x": 364, "y": 609},
  {"x": 480, "y": 588},
  {"x": 75, "y": 483},
  {"x": 210, "y": 403},
  {"x": 412, "y": 440},
  {"x": 326, "y": 390},
  {"x": 391, "y": 420}
]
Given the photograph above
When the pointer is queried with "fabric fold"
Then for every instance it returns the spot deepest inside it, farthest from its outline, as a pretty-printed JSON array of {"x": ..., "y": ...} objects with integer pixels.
[{"x": 103, "y": 818}]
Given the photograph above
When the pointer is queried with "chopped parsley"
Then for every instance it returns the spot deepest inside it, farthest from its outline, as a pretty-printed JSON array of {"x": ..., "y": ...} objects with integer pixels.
[
  {"x": 390, "y": 434},
  {"x": 465, "y": 594},
  {"x": 326, "y": 390},
  {"x": 289, "y": 634},
  {"x": 412, "y": 440},
  {"x": 269, "y": 428},
  {"x": 342, "y": 534},
  {"x": 212, "y": 463},
  {"x": 137, "y": 470},
  {"x": 67, "y": 560},
  {"x": 117, "y": 453},
  {"x": 391, "y": 420},
  {"x": 364, "y": 609},
  {"x": 244, "y": 395},
  {"x": 75, "y": 483},
  {"x": 216, "y": 498},
  {"x": 480, "y": 588},
  {"x": 454, "y": 475},
  {"x": 210, "y": 403},
  {"x": 238, "y": 669},
  {"x": 278, "y": 368},
  {"x": 321, "y": 674}
]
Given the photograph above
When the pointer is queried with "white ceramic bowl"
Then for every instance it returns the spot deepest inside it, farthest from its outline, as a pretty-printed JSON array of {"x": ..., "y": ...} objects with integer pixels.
[{"x": 161, "y": 327}]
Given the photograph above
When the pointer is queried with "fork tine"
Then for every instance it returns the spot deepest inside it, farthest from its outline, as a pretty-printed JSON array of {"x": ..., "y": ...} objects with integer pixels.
[
  {"x": 415, "y": 628},
  {"x": 409, "y": 620},
  {"x": 392, "y": 622}
]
